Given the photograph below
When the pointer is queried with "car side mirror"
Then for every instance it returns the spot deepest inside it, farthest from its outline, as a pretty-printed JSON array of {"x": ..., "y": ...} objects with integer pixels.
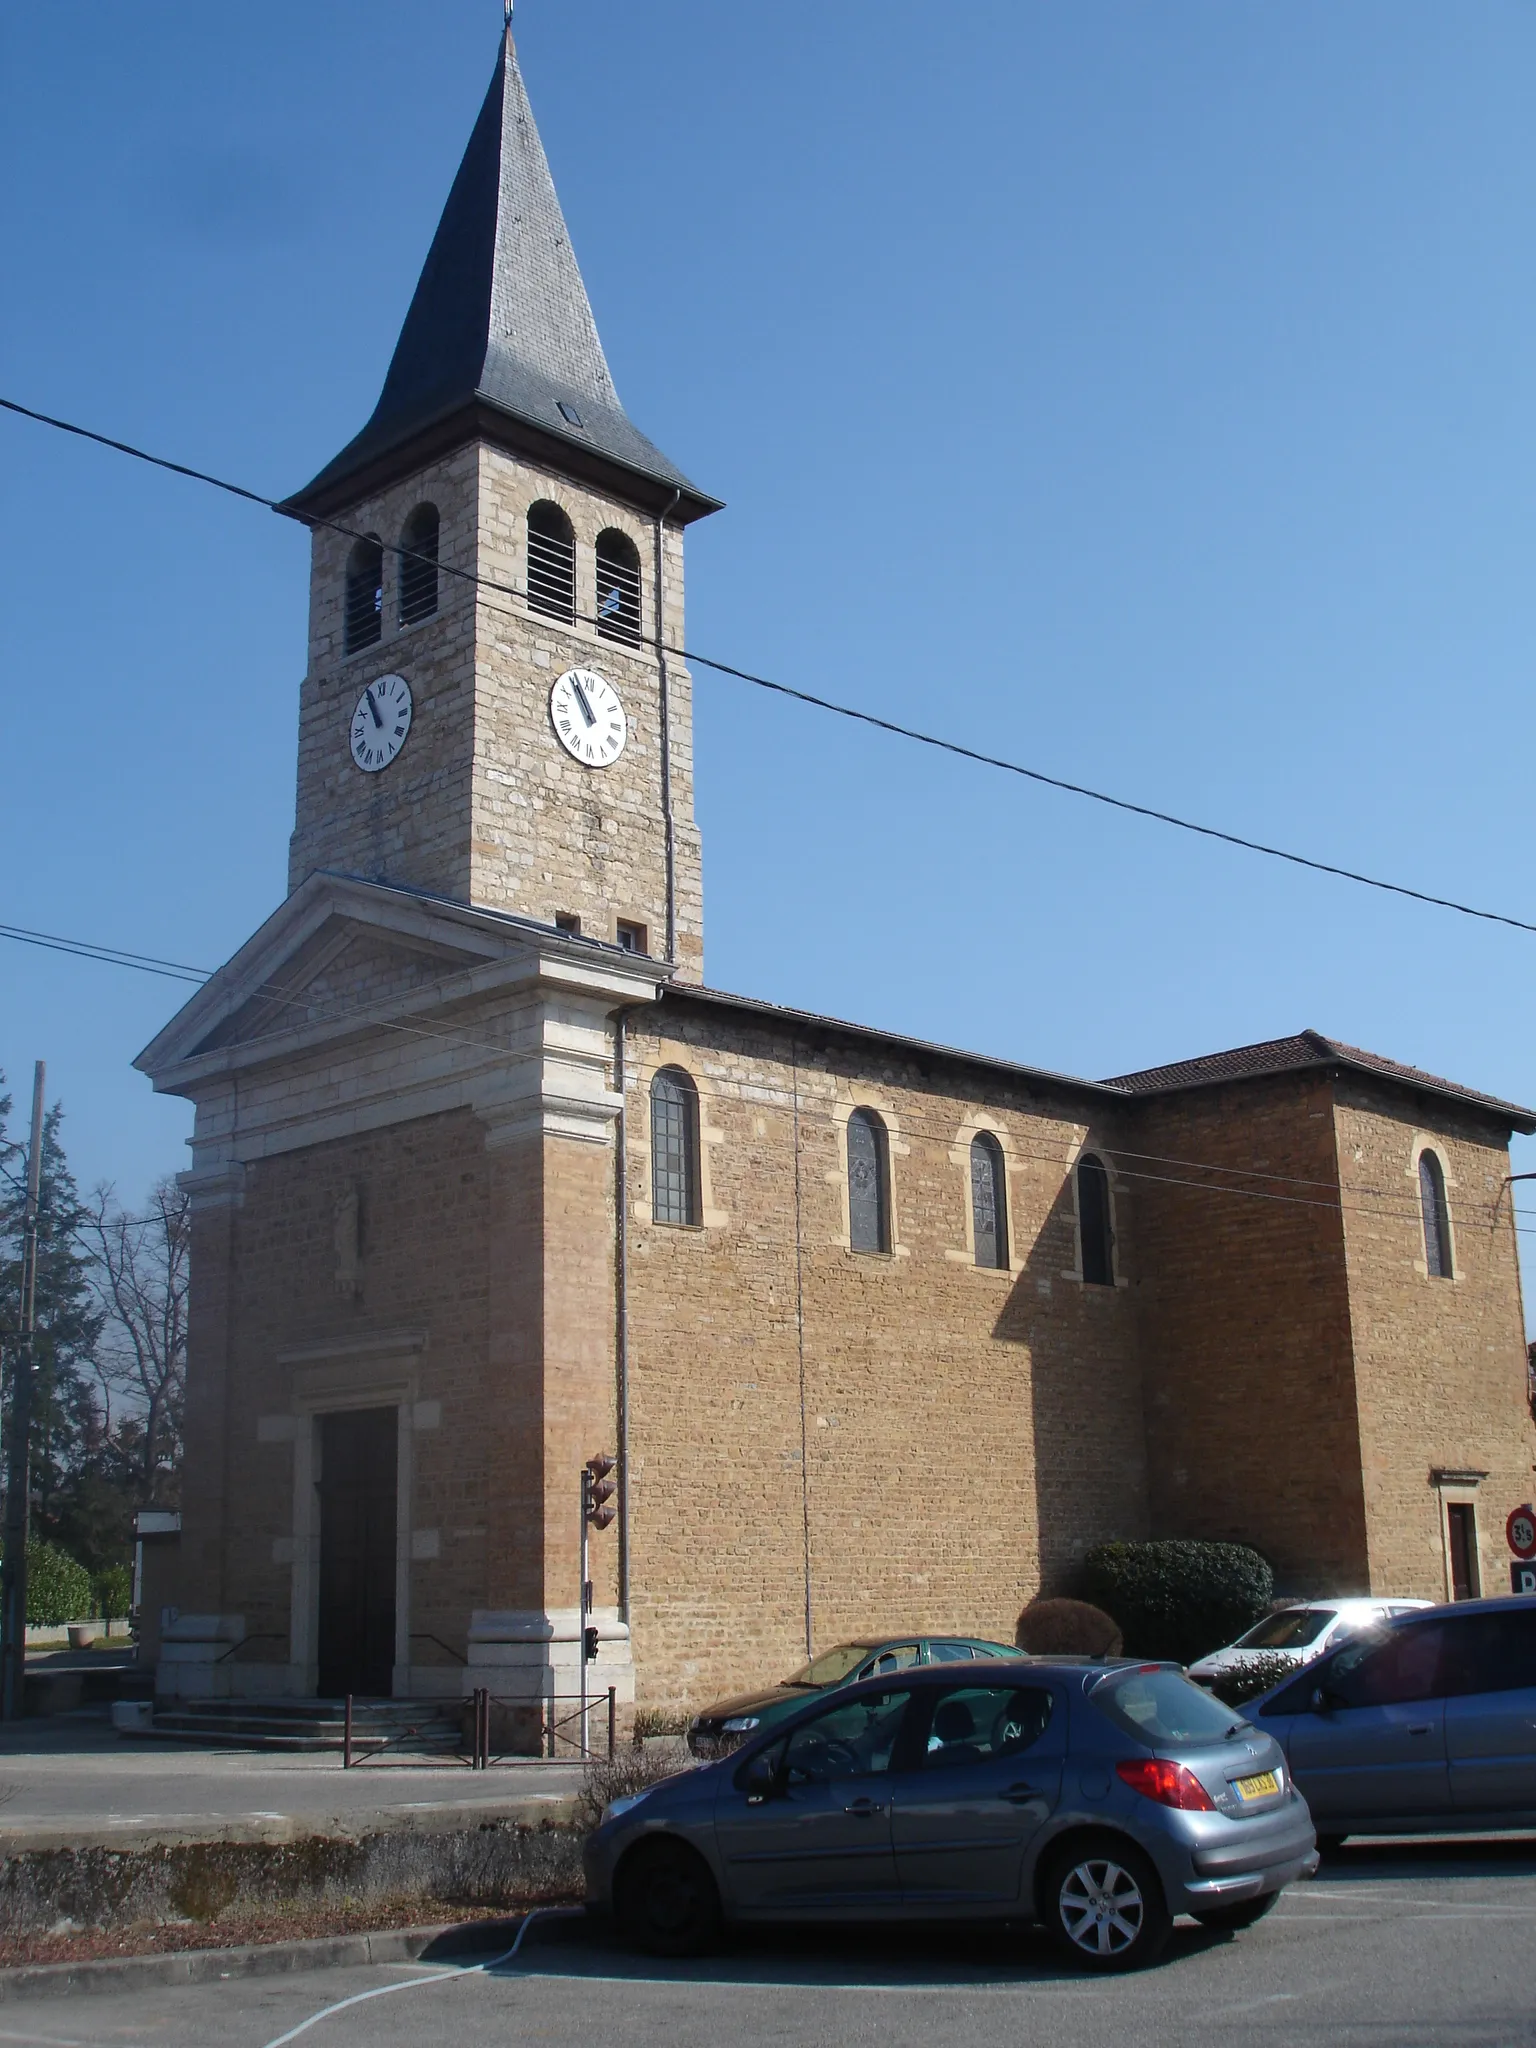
[
  {"x": 759, "y": 1780},
  {"x": 1323, "y": 1700}
]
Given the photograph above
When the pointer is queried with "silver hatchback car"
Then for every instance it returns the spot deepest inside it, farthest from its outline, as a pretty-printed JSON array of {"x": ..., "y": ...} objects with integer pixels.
[{"x": 1098, "y": 1799}]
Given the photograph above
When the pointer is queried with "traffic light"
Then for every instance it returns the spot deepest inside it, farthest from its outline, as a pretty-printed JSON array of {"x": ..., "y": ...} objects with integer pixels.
[
  {"x": 589, "y": 1645},
  {"x": 597, "y": 1491}
]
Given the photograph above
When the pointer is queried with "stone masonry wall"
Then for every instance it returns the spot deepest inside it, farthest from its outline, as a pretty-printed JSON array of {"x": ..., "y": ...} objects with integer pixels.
[
  {"x": 482, "y": 804},
  {"x": 1243, "y": 1302},
  {"x": 968, "y": 1433},
  {"x": 413, "y": 821},
  {"x": 422, "y": 1190},
  {"x": 549, "y": 834},
  {"x": 1440, "y": 1364}
]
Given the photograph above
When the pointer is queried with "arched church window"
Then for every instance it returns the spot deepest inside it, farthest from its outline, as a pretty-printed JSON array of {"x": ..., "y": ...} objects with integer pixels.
[
  {"x": 618, "y": 587},
  {"x": 1437, "y": 1218},
  {"x": 364, "y": 609},
  {"x": 1095, "y": 1223},
  {"x": 551, "y": 562},
  {"x": 989, "y": 1201},
  {"x": 418, "y": 565},
  {"x": 869, "y": 1204},
  {"x": 674, "y": 1148}
]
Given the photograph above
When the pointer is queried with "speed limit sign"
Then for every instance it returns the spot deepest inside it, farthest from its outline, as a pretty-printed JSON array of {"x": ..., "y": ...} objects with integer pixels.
[{"x": 1521, "y": 1531}]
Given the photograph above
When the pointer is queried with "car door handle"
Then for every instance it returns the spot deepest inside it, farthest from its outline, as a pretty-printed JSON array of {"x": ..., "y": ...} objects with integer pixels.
[
  {"x": 1018, "y": 1795},
  {"x": 1421, "y": 1728},
  {"x": 864, "y": 1809}
]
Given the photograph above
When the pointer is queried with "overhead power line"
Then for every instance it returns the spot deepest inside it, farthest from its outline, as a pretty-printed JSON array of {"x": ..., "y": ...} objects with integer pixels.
[
  {"x": 1391, "y": 1203},
  {"x": 935, "y": 741},
  {"x": 114, "y": 956}
]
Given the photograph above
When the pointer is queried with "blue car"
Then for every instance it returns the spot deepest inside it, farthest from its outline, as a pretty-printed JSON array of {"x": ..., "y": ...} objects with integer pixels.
[
  {"x": 1100, "y": 1799},
  {"x": 1423, "y": 1725}
]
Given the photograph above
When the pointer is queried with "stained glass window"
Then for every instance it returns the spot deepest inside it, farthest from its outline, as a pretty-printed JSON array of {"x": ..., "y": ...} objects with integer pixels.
[
  {"x": 1094, "y": 1223},
  {"x": 674, "y": 1148},
  {"x": 989, "y": 1210},
  {"x": 1437, "y": 1222},
  {"x": 868, "y": 1207}
]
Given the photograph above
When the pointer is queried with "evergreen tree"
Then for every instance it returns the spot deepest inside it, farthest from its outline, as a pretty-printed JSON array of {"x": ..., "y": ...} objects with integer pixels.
[{"x": 68, "y": 1319}]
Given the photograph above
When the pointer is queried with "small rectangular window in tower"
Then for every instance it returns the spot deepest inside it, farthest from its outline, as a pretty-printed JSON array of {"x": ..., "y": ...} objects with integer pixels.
[
  {"x": 632, "y": 937},
  {"x": 568, "y": 921},
  {"x": 1461, "y": 1536}
]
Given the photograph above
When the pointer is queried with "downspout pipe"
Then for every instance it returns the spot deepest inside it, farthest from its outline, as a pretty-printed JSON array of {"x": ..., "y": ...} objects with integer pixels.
[
  {"x": 659, "y": 581},
  {"x": 621, "y": 1303}
]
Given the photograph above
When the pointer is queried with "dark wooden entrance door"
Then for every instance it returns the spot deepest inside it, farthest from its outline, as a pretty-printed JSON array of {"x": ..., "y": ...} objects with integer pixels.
[{"x": 357, "y": 1552}]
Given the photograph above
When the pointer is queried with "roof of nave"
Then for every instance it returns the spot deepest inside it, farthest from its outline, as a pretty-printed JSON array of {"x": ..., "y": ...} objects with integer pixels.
[
  {"x": 1311, "y": 1049},
  {"x": 500, "y": 336},
  {"x": 423, "y": 913},
  {"x": 810, "y": 1021}
]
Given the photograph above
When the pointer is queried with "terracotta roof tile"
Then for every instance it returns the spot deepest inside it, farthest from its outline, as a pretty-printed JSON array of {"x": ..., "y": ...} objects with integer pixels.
[{"x": 1308, "y": 1049}]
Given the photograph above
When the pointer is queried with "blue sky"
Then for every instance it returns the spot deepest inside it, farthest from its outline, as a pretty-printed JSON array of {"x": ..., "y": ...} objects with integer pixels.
[{"x": 1146, "y": 393}]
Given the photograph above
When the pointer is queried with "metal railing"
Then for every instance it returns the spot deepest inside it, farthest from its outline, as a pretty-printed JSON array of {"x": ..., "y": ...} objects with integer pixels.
[
  {"x": 423, "y": 1635},
  {"x": 538, "y": 1720},
  {"x": 266, "y": 1635},
  {"x": 529, "y": 1715}
]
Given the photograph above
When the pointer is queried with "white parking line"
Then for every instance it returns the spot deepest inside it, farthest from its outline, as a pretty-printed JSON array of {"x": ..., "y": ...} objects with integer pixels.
[{"x": 446, "y": 1975}]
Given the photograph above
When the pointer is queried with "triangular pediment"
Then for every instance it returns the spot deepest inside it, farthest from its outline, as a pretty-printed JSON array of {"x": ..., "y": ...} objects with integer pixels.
[
  {"x": 344, "y": 957},
  {"x": 343, "y": 970}
]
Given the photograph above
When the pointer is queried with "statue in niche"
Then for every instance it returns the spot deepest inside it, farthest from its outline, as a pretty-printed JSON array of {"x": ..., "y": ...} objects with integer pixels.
[{"x": 344, "y": 1235}]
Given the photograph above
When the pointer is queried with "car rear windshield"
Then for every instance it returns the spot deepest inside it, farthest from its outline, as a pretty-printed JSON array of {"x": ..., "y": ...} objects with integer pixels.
[
  {"x": 832, "y": 1665},
  {"x": 1287, "y": 1630},
  {"x": 1160, "y": 1706}
]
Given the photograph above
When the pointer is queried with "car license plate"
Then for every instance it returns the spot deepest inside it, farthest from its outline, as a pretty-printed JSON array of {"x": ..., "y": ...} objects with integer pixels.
[{"x": 1259, "y": 1787}]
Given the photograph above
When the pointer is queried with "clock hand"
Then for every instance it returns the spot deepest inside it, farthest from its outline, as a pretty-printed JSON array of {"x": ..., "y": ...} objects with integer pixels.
[
  {"x": 581, "y": 698},
  {"x": 368, "y": 696}
]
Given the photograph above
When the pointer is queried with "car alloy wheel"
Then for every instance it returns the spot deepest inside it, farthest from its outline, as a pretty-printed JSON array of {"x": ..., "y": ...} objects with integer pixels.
[
  {"x": 1101, "y": 1907},
  {"x": 1106, "y": 1906}
]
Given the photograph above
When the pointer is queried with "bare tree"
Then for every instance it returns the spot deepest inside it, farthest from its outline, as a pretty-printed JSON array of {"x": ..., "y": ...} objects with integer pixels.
[{"x": 141, "y": 1277}]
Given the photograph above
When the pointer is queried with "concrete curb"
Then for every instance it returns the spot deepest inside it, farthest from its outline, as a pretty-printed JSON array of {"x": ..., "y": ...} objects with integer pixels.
[{"x": 118, "y": 1974}]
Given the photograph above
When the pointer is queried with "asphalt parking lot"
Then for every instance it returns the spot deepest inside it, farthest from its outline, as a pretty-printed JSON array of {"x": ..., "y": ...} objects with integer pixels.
[{"x": 1401, "y": 1946}]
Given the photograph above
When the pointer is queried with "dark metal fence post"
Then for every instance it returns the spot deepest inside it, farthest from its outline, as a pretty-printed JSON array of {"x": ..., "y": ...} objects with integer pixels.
[
  {"x": 612, "y": 1696},
  {"x": 346, "y": 1737},
  {"x": 485, "y": 1727}
]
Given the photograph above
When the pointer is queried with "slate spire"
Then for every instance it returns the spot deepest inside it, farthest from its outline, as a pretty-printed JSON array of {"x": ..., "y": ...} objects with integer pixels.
[{"x": 499, "y": 339}]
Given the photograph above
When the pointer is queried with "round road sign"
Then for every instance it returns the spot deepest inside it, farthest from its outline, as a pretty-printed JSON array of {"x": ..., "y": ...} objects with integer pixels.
[{"x": 1521, "y": 1531}]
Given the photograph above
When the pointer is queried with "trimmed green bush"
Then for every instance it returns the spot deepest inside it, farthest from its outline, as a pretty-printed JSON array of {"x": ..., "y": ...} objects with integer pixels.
[
  {"x": 58, "y": 1589},
  {"x": 1178, "y": 1598},
  {"x": 1066, "y": 1628},
  {"x": 114, "y": 1592}
]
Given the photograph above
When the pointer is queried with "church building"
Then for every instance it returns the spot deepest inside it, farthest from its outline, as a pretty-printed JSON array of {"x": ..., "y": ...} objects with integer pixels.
[{"x": 487, "y": 1180}]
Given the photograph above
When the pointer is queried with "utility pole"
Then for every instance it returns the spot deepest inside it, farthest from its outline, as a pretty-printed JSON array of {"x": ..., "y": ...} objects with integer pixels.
[{"x": 18, "y": 1481}]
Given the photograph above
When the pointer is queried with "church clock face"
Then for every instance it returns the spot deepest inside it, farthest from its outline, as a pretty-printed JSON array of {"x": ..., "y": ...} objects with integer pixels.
[
  {"x": 380, "y": 723},
  {"x": 588, "y": 718}
]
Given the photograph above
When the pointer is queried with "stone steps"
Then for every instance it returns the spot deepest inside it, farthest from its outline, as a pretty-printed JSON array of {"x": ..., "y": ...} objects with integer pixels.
[{"x": 414, "y": 1727}]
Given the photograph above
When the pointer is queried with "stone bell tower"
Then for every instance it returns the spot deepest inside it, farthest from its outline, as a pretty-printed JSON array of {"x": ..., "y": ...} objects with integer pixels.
[
  {"x": 497, "y": 526},
  {"x": 406, "y": 1270}
]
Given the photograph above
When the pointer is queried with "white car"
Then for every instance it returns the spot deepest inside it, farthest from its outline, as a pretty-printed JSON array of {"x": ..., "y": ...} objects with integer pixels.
[{"x": 1303, "y": 1632}]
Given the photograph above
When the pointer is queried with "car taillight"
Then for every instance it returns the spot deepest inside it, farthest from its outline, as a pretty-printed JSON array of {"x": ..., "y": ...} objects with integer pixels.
[{"x": 1170, "y": 1784}]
